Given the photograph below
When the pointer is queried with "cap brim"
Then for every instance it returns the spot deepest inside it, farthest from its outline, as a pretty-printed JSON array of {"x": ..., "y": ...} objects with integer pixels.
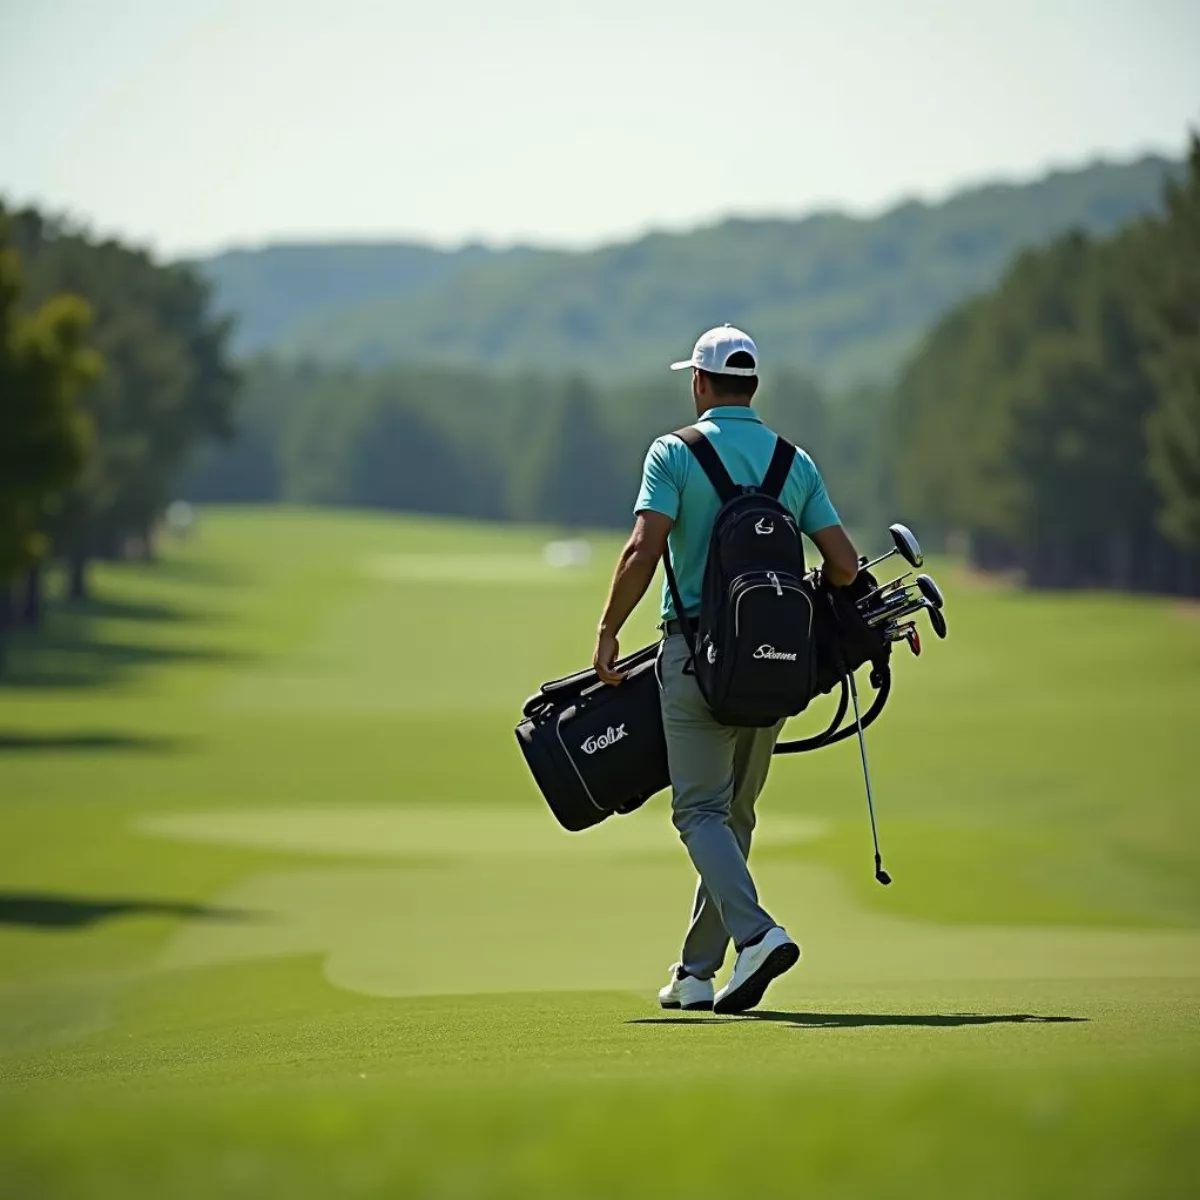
[{"x": 682, "y": 366}]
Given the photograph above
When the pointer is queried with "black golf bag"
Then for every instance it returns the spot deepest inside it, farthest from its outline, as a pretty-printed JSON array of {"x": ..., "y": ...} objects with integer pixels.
[{"x": 596, "y": 750}]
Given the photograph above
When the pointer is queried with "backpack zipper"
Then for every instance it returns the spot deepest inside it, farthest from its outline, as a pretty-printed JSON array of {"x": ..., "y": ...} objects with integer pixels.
[{"x": 773, "y": 581}]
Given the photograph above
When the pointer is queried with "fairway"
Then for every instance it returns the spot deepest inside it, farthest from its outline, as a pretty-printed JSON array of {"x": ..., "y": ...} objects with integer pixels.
[{"x": 281, "y": 912}]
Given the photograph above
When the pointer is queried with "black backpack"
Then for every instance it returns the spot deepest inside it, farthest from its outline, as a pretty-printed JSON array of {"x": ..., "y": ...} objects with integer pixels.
[{"x": 752, "y": 647}]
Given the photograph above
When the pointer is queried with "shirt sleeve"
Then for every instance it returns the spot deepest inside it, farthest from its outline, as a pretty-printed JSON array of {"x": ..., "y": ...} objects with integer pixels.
[
  {"x": 660, "y": 489},
  {"x": 819, "y": 512}
]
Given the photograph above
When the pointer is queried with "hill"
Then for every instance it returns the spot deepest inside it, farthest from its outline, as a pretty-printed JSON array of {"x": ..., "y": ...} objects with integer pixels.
[
  {"x": 274, "y": 289},
  {"x": 842, "y": 297}
]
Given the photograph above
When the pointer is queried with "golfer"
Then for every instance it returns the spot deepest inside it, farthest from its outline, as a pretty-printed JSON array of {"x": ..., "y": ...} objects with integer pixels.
[{"x": 717, "y": 771}]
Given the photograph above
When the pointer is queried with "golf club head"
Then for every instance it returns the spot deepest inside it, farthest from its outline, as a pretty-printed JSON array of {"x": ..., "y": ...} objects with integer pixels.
[
  {"x": 931, "y": 591},
  {"x": 889, "y": 615},
  {"x": 895, "y": 631},
  {"x": 938, "y": 620},
  {"x": 906, "y": 544}
]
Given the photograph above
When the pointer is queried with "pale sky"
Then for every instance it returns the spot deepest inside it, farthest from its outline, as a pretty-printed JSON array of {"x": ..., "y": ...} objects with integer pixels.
[{"x": 194, "y": 125}]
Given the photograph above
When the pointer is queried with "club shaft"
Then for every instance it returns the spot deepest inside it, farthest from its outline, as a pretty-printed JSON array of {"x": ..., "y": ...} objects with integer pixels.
[
  {"x": 903, "y": 594},
  {"x": 862, "y": 750},
  {"x": 876, "y": 561},
  {"x": 907, "y": 609},
  {"x": 891, "y": 585}
]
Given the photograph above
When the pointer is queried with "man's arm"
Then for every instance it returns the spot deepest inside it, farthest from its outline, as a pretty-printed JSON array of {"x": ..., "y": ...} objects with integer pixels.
[
  {"x": 841, "y": 558},
  {"x": 635, "y": 569}
]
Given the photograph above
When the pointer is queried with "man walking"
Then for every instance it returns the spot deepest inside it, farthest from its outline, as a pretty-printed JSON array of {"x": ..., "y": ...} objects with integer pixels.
[{"x": 717, "y": 771}]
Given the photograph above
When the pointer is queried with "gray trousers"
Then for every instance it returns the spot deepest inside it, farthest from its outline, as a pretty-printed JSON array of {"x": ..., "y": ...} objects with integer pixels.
[{"x": 717, "y": 773}]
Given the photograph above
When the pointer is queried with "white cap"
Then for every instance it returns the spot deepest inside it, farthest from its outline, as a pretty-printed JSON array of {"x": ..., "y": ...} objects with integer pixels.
[{"x": 716, "y": 347}]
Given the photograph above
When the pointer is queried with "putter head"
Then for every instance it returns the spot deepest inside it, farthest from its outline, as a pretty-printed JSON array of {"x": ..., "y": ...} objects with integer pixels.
[
  {"x": 931, "y": 591},
  {"x": 906, "y": 545}
]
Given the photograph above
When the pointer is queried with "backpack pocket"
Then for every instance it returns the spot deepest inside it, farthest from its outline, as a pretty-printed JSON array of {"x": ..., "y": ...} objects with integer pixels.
[{"x": 767, "y": 670}]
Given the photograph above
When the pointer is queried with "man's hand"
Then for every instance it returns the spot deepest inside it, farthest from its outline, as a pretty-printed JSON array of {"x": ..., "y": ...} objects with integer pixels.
[{"x": 608, "y": 650}]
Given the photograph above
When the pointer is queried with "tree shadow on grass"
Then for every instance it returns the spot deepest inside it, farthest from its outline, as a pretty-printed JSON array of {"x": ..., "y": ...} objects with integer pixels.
[
  {"x": 125, "y": 610},
  {"x": 99, "y": 640},
  {"x": 41, "y": 910},
  {"x": 86, "y": 740},
  {"x": 816, "y": 1020},
  {"x": 64, "y": 655}
]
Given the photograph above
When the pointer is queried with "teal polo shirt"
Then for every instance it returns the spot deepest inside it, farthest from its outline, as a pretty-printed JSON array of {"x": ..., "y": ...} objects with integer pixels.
[{"x": 674, "y": 484}]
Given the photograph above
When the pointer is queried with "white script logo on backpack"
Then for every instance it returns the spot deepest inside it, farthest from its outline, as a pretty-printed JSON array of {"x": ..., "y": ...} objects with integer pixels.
[
  {"x": 772, "y": 653},
  {"x": 608, "y": 738},
  {"x": 764, "y": 525}
]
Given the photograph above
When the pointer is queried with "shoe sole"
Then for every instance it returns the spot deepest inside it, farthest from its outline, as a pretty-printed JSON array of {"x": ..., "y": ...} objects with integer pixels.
[
  {"x": 781, "y": 959},
  {"x": 702, "y": 1007}
]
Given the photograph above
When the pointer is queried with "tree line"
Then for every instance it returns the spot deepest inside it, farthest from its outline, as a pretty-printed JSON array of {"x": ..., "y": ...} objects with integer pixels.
[
  {"x": 112, "y": 368},
  {"x": 561, "y": 451},
  {"x": 1056, "y": 420}
]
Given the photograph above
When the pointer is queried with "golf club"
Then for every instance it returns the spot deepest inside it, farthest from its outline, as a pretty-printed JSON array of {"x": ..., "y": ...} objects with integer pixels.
[
  {"x": 880, "y": 873},
  {"x": 931, "y": 591},
  {"x": 906, "y": 607},
  {"x": 937, "y": 618},
  {"x": 904, "y": 632},
  {"x": 905, "y": 544},
  {"x": 883, "y": 589},
  {"x": 893, "y": 604}
]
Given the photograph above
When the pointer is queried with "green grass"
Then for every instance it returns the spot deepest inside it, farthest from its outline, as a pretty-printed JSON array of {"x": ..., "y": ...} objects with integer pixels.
[{"x": 281, "y": 912}]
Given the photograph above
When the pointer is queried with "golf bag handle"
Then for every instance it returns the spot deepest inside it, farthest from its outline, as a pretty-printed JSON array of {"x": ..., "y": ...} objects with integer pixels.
[{"x": 579, "y": 682}]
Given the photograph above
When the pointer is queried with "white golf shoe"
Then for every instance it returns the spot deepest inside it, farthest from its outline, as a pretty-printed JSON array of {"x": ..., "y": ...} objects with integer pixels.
[
  {"x": 756, "y": 966},
  {"x": 689, "y": 994}
]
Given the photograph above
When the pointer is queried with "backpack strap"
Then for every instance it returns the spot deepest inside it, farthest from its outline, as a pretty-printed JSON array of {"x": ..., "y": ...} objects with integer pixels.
[
  {"x": 685, "y": 622},
  {"x": 706, "y": 455},
  {"x": 779, "y": 470}
]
